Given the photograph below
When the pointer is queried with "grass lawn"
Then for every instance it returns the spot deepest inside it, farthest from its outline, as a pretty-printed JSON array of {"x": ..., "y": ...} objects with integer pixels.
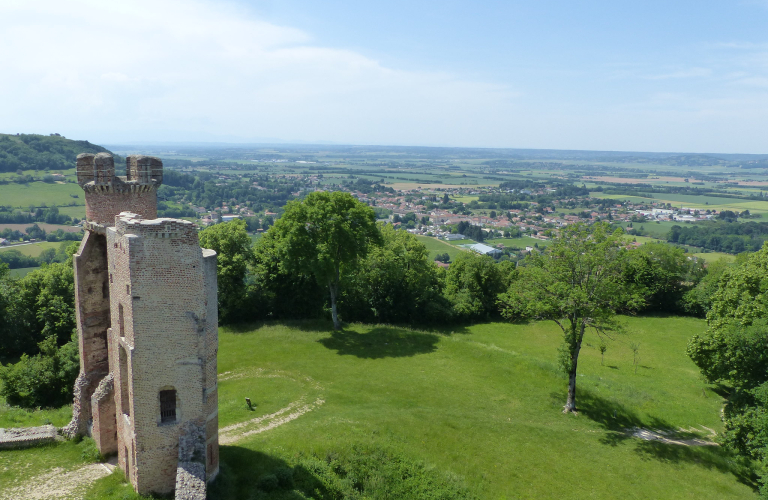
[
  {"x": 21, "y": 272},
  {"x": 655, "y": 229},
  {"x": 39, "y": 193},
  {"x": 436, "y": 246},
  {"x": 715, "y": 256},
  {"x": 525, "y": 241},
  {"x": 78, "y": 211},
  {"x": 35, "y": 249},
  {"x": 481, "y": 404}
]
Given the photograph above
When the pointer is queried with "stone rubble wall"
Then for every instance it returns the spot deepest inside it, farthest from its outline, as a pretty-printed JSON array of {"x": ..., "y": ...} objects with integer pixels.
[
  {"x": 190, "y": 481},
  {"x": 25, "y": 437},
  {"x": 190, "y": 472}
]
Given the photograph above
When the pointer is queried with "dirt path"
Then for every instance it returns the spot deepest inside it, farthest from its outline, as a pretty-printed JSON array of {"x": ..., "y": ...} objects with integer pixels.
[
  {"x": 668, "y": 437},
  {"x": 235, "y": 432},
  {"x": 58, "y": 483}
]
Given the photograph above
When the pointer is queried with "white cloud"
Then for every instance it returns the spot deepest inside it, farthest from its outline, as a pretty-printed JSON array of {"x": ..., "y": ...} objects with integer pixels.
[
  {"x": 166, "y": 68},
  {"x": 161, "y": 70}
]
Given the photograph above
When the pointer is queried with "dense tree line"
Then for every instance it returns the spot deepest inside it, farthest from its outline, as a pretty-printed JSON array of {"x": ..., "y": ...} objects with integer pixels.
[
  {"x": 14, "y": 259},
  {"x": 41, "y": 152},
  {"x": 721, "y": 236},
  {"x": 470, "y": 231},
  {"x": 733, "y": 352},
  {"x": 36, "y": 214},
  {"x": 207, "y": 191},
  {"x": 37, "y": 330}
]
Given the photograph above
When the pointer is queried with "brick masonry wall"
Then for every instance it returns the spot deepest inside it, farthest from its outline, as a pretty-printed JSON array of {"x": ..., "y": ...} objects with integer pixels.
[
  {"x": 147, "y": 315},
  {"x": 158, "y": 281}
]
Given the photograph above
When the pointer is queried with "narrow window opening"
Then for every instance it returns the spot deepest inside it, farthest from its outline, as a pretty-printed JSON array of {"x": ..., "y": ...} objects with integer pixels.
[
  {"x": 121, "y": 319},
  {"x": 168, "y": 406},
  {"x": 124, "y": 401}
]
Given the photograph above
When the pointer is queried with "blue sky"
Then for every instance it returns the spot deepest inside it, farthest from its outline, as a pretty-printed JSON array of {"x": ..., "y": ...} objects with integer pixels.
[{"x": 648, "y": 76}]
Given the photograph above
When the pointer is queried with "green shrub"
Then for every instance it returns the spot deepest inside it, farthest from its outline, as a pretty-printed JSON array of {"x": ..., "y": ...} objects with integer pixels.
[
  {"x": 89, "y": 452},
  {"x": 268, "y": 483},
  {"x": 44, "y": 380}
]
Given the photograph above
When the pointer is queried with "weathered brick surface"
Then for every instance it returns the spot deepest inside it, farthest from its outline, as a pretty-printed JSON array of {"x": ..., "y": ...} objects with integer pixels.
[
  {"x": 107, "y": 195},
  {"x": 147, "y": 316}
]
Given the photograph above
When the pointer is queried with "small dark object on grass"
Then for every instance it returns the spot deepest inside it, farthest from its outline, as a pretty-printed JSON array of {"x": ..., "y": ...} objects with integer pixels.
[{"x": 248, "y": 402}]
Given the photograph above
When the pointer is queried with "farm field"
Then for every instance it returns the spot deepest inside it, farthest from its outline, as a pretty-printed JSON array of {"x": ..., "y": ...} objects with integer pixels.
[
  {"x": 35, "y": 249},
  {"x": 522, "y": 242},
  {"x": 20, "y": 273},
  {"x": 654, "y": 229},
  {"x": 437, "y": 247},
  {"x": 695, "y": 202},
  {"x": 711, "y": 257},
  {"x": 42, "y": 225},
  {"x": 480, "y": 402},
  {"x": 39, "y": 194}
]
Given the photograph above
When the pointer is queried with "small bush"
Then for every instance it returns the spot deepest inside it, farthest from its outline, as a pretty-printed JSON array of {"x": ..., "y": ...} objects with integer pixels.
[
  {"x": 89, "y": 452},
  {"x": 284, "y": 477},
  {"x": 268, "y": 482}
]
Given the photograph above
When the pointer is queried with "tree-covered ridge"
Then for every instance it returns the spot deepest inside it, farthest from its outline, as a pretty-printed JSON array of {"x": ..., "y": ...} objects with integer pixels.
[
  {"x": 720, "y": 236},
  {"x": 40, "y": 152}
]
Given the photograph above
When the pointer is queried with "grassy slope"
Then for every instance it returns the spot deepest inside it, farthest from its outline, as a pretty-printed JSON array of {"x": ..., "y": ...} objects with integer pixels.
[{"x": 483, "y": 402}]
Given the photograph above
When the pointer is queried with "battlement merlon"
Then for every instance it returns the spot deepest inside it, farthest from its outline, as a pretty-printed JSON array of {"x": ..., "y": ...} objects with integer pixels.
[
  {"x": 99, "y": 170},
  {"x": 107, "y": 195}
]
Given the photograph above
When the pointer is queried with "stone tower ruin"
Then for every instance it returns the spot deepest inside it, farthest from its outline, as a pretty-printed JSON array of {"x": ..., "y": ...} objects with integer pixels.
[{"x": 146, "y": 305}]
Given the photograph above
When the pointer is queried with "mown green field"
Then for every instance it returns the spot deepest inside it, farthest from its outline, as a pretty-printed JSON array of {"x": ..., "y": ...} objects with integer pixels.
[
  {"x": 479, "y": 404},
  {"x": 39, "y": 194},
  {"x": 21, "y": 272},
  {"x": 695, "y": 202},
  {"x": 437, "y": 247},
  {"x": 715, "y": 256},
  {"x": 655, "y": 229},
  {"x": 525, "y": 241},
  {"x": 34, "y": 249}
]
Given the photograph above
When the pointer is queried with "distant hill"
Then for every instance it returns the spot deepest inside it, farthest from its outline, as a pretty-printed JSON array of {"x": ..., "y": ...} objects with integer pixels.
[{"x": 40, "y": 152}]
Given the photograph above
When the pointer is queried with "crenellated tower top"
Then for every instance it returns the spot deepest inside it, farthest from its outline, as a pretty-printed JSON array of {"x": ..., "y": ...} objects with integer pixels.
[{"x": 107, "y": 195}]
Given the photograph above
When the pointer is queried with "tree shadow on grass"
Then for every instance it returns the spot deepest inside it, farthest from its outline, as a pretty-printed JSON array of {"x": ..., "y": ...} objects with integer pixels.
[
  {"x": 619, "y": 421},
  {"x": 381, "y": 342},
  {"x": 247, "y": 474}
]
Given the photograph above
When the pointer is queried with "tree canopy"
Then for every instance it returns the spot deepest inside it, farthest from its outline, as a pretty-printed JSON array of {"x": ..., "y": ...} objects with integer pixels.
[
  {"x": 733, "y": 352},
  {"x": 577, "y": 282},
  {"x": 324, "y": 232},
  {"x": 234, "y": 251}
]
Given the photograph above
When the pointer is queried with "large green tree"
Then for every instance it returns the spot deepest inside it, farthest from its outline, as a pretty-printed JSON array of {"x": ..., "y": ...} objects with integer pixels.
[
  {"x": 577, "y": 282},
  {"x": 231, "y": 242},
  {"x": 664, "y": 274},
  {"x": 324, "y": 232},
  {"x": 734, "y": 352},
  {"x": 395, "y": 283},
  {"x": 473, "y": 283}
]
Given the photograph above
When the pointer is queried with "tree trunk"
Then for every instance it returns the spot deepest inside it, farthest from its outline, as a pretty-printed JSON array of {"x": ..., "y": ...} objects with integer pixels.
[
  {"x": 570, "y": 402},
  {"x": 333, "y": 289}
]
